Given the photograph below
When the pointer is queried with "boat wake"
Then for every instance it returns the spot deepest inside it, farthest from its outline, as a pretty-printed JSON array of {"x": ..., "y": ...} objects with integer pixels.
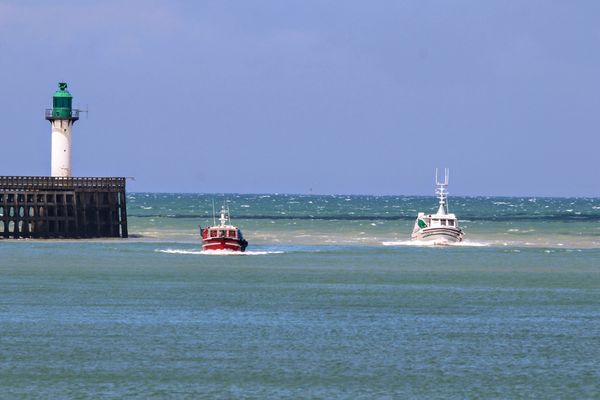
[
  {"x": 435, "y": 243},
  {"x": 218, "y": 252}
]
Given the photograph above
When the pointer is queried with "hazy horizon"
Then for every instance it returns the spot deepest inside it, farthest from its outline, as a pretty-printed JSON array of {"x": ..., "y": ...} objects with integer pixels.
[{"x": 432, "y": 195}]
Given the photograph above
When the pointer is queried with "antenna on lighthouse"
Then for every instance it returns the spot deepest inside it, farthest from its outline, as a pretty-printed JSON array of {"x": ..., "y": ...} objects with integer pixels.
[{"x": 86, "y": 111}]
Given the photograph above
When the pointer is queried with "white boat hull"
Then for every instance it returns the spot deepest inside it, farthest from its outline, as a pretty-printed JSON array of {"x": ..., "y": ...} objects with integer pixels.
[{"x": 441, "y": 234}]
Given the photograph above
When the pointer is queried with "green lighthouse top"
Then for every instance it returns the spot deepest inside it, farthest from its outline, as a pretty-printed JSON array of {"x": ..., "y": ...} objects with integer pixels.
[
  {"x": 62, "y": 104},
  {"x": 62, "y": 90}
]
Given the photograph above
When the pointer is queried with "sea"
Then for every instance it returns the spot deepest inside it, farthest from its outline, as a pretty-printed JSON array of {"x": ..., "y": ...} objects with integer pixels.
[{"x": 331, "y": 301}]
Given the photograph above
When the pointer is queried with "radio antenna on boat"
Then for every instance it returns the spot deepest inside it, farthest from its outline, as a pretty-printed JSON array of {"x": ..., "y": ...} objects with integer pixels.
[
  {"x": 442, "y": 191},
  {"x": 214, "y": 218},
  {"x": 224, "y": 219}
]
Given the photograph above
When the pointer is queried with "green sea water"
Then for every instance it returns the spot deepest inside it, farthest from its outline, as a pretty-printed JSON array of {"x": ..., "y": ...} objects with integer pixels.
[{"x": 331, "y": 301}]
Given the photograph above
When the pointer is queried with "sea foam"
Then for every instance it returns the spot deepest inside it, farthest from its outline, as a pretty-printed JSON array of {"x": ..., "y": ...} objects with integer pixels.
[
  {"x": 217, "y": 252},
  {"x": 434, "y": 243}
]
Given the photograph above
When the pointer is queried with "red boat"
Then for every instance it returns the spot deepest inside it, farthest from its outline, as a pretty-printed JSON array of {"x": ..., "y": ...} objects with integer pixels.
[{"x": 224, "y": 236}]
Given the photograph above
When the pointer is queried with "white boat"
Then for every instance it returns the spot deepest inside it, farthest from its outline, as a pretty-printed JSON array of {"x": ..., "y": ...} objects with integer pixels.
[{"x": 442, "y": 227}]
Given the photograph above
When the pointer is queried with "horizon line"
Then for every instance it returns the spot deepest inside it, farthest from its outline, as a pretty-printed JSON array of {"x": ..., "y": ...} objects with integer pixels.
[{"x": 363, "y": 195}]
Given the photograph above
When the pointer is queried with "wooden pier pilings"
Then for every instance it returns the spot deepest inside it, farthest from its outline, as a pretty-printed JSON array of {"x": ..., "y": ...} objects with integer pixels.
[{"x": 57, "y": 207}]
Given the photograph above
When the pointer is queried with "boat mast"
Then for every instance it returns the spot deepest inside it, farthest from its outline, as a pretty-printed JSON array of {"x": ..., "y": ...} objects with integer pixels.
[
  {"x": 214, "y": 217},
  {"x": 224, "y": 215},
  {"x": 442, "y": 191}
]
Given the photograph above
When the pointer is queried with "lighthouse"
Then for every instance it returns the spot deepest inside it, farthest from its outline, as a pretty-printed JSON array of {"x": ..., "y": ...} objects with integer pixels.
[
  {"x": 62, "y": 116},
  {"x": 61, "y": 206}
]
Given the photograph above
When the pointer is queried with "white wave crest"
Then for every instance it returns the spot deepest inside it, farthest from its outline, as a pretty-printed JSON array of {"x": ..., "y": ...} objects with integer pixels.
[
  {"x": 434, "y": 243},
  {"x": 218, "y": 252}
]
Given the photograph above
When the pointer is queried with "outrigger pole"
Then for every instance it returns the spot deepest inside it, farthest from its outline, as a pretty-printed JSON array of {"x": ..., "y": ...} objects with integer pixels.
[{"x": 214, "y": 218}]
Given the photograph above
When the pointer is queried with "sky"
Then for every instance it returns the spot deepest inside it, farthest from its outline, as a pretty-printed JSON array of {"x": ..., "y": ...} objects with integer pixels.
[{"x": 271, "y": 96}]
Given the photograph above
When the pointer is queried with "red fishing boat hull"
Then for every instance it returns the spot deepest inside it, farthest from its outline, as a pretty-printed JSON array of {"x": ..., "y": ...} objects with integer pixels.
[{"x": 224, "y": 244}]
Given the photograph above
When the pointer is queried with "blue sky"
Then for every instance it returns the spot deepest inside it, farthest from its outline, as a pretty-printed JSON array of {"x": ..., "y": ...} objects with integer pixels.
[{"x": 293, "y": 96}]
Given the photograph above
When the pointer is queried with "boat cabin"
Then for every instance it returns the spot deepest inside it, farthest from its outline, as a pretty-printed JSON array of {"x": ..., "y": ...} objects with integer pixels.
[
  {"x": 220, "y": 232},
  {"x": 439, "y": 220}
]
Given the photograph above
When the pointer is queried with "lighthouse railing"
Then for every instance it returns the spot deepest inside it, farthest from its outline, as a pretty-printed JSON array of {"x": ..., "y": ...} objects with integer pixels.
[{"x": 74, "y": 114}]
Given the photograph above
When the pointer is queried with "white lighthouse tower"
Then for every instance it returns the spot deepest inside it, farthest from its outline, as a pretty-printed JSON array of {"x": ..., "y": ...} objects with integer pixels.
[{"x": 62, "y": 117}]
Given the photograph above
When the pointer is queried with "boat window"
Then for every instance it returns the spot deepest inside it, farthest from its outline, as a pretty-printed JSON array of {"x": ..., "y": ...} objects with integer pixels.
[
  {"x": 213, "y": 233},
  {"x": 443, "y": 221},
  {"x": 435, "y": 222},
  {"x": 451, "y": 222},
  {"x": 231, "y": 234},
  {"x": 222, "y": 233}
]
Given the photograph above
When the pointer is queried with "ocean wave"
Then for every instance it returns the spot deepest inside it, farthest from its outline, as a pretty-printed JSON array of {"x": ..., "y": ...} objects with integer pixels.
[{"x": 579, "y": 217}]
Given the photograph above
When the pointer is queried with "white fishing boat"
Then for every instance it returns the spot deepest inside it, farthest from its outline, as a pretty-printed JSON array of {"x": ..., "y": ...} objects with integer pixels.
[{"x": 442, "y": 227}]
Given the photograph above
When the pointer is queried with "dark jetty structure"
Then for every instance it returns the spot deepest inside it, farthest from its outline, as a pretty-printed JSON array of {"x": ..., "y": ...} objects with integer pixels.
[
  {"x": 57, "y": 207},
  {"x": 62, "y": 206}
]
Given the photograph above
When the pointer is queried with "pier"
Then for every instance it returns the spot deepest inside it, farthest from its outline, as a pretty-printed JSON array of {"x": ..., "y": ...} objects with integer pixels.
[{"x": 45, "y": 207}]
